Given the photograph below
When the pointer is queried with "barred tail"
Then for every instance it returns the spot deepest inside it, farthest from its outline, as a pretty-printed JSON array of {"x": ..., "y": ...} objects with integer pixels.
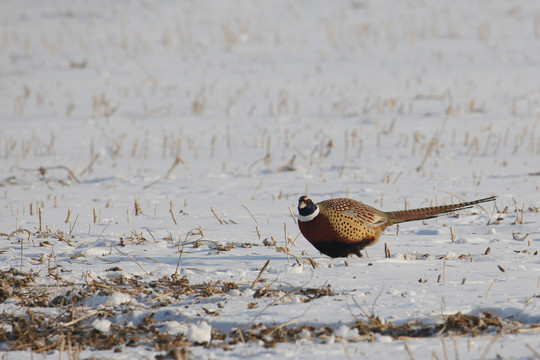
[{"x": 396, "y": 217}]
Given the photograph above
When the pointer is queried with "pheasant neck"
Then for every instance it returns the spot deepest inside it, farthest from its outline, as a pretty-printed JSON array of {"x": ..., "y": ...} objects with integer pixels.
[{"x": 306, "y": 218}]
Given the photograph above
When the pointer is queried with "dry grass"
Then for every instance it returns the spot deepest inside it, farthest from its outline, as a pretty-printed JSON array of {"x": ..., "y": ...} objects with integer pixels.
[
  {"x": 69, "y": 326},
  {"x": 72, "y": 321}
]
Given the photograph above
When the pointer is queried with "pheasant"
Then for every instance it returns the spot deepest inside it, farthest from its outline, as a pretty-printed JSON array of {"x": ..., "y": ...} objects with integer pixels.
[{"x": 341, "y": 227}]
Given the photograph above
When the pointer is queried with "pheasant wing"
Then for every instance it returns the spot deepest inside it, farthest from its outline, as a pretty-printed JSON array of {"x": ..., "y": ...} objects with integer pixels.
[{"x": 366, "y": 214}]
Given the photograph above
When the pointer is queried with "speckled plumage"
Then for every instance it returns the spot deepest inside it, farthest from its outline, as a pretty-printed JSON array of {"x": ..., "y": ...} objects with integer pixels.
[{"x": 341, "y": 227}]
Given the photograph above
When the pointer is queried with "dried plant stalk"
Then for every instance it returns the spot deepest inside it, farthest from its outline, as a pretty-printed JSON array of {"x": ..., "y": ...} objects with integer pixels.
[
  {"x": 40, "y": 224},
  {"x": 216, "y": 215},
  {"x": 172, "y": 213},
  {"x": 260, "y": 273},
  {"x": 489, "y": 289},
  {"x": 250, "y": 213}
]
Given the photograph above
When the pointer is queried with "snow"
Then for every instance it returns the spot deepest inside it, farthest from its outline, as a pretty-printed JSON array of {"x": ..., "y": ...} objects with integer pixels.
[
  {"x": 102, "y": 325},
  {"x": 238, "y": 108},
  {"x": 200, "y": 332},
  {"x": 119, "y": 299}
]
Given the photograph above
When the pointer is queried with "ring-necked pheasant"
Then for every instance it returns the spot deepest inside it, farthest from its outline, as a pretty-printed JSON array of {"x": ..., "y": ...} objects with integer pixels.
[{"x": 341, "y": 227}]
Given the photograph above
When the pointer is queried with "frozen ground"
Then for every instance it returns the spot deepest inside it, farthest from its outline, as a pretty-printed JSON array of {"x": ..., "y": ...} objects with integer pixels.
[{"x": 111, "y": 112}]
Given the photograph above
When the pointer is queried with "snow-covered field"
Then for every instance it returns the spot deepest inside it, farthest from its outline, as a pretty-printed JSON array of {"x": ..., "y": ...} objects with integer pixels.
[{"x": 152, "y": 154}]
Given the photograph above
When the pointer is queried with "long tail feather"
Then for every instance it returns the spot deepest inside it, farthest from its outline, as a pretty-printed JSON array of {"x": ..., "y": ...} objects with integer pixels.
[{"x": 396, "y": 217}]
